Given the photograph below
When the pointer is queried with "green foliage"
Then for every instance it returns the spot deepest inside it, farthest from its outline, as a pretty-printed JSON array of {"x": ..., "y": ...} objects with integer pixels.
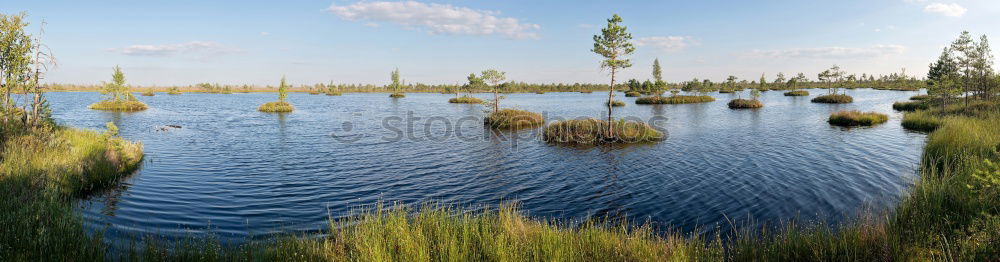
[
  {"x": 614, "y": 44},
  {"x": 282, "y": 90},
  {"x": 513, "y": 119},
  {"x": 494, "y": 77},
  {"x": 592, "y": 131},
  {"x": 745, "y": 103},
  {"x": 857, "y": 118},
  {"x": 15, "y": 57},
  {"x": 174, "y": 91},
  {"x": 117, "y": 90},
  {"x": 910, "y": 105},
  {"x": 920, "y": 97},
  {"x": 657, "y": 71},
  {"x": 397, "y": 83},
  {"x": 674, "y": 99},
  {"x": 833, "y": 99}
]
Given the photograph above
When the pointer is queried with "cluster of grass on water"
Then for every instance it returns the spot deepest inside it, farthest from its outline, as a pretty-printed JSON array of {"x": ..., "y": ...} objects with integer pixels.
[
  {"x": 540, "y": 92},
  {"x": 593, "y": 131},
  {"x": 148, "y": 93},
  {"x": 797, "y": 93},
  {"x": 276, "y": 107},
  {"x": 740, "y": 103},
  {"x": 397, "y": 95},
  {"x": 465, "y": 100},
  {"x": 833, "y": 99},
  {"x": 121, "y": 105},
  {"x": 513, "y": 119},
  {"x": 920, "y": 97},
  {"x": 616, "y": 103},
  {"x": 910, "y": 105},
  {"x": 673, "y": 99},
  {"x": 333, "y": 93},
  {"x": 857, "y": 118},
  {"x": 633, "y": 94}
]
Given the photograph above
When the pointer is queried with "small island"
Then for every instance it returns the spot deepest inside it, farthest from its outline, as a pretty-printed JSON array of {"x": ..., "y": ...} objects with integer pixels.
[
  {"x": 857, "y": 118},
  {"x": 617, "y": 103},
  {"x": 833, "y": 99},
  {"x": 465, "y": 100},
  {"x": 118, "y": 96},
  {"x": 674, "y": 99},
  {"x": 797, "y": 93},
  {"x": 593, "y": 131},
  {"x": 279, "y": 106},
  {"x": 753, "y": 102},
  {"x": 397, "y": 85},
  {"x": 910, "y": 105},
  {"x": 506, "y": 118}
]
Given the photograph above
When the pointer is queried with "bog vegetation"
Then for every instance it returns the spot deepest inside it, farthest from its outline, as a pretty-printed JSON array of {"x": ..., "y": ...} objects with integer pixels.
[
  {"x": 117, "y": 95},
  {"x": 280, "y": 106}
]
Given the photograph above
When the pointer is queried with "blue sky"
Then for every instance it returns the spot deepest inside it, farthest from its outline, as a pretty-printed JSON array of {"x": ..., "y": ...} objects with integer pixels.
[{"x": 184, "y": 42}]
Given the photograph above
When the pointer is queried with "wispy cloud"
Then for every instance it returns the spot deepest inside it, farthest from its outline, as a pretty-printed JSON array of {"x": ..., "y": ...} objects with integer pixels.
[
  {"x": 195, "y": 48},
  {"x": 437, "y": 18},
  {"x": 665, "y": 43},
  {"x": 830, "y": 52},
  {"x": 953, "y": 10}
]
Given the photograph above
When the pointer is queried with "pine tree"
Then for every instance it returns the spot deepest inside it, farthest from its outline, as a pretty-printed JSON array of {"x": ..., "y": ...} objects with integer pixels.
[{"x": 614, "y": 44}]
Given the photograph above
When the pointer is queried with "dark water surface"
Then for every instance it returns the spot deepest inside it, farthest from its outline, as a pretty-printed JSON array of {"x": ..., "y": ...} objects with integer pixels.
[{"x": 237, "y": 172}]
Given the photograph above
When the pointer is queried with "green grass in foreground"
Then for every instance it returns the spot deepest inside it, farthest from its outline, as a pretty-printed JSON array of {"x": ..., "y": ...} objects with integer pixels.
[
  {"x": 744, "y": 103},
  {"x": 593, "y": 131},
  {"x": 465, "y": 100},
  {"x": 513, "y": 119},
  {"x": 673, "y": 99},
  {"x": 833, "y": 99},
  {"x": 124, "y": 106},
  {"x": 910, "y": 105},
  {"x": 797, "y": 93},
  {"x": 857, "y": 118},
  {"x": 276, "y": 107}
]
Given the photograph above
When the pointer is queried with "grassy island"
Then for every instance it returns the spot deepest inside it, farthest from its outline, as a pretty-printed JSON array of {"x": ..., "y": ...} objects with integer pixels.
[
  {"x": 632, "y": 94},
  {"x": 617, "y": 103},
  {"x": 586, "y": 92},
  {"x": 673, "y": 99},
  {"x": 334, "y": 93},
  {"x": 593, "y": 131},
  {"x": 148, "y": 93},
  {"x": 857, "y": 118},
  {"x": 797, "y": 93},
  {"x": 513, "y": 119},
  {"x": 117, "y": 95},
  {"x": 540, "y": 92},
  {"x": 910, "y": 105},
  {"x": 397, "y": 95},
  {"x": 465, "y": 100},
  {"x": 174, "y": 91},
  {"x": 280, "y": 106},
  {"x": 740, "y": 103},
  {"x": 833, "y": 99}
]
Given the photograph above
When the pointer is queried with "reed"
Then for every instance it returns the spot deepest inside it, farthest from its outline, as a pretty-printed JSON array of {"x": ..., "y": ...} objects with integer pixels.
[
  {"x": 632, "y": 94},
  {"x": 616, "y": 103},
  {"x": 148, "y": 93}
]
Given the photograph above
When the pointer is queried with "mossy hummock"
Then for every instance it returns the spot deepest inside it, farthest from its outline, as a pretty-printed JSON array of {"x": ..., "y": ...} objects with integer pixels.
[
  {"x": 673, "y": 100},
  {"x": 920, "y": 97},
  {"x": 617, "y": 103},
  {"x": 797, "y": 93},
  {"x": 122, "y": 106},
  {"x": 397, "y": 95},
  {"x": 632, "y": 94},
  {"x": 740, "y": 103},
  {"x": 276, "y": 107},
  {"x": 465, "y": 100},
  {"x": 593, "y": 131},
  {"x": 513, "y": 119},
  {"x": 148, "y": 93},
  {"x": 857, "y": 118},
  {"x": 833, "y": 99},
  {"x": 910, "y": 105}
]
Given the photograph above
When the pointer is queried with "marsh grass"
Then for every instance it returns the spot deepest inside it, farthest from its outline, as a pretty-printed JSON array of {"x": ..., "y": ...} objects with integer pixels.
[
  {"x": 745, "y": 103},
  {"x": 276, "y": 107},
  {"x": 334, "y": 93},
  {"x": 632, "y": 94},
  {"x": 513, "y": 119},
  {"x": 586, "y": 92},
  {"x": 397, "y": 95},
  {"x": 174, "y": 92},
  {"x": 797, "y": 93},
  {"x": 465, "y": 100},
  {"x": 857, "y": 118},
  {"x": 593, "y": 131},
  {"x": 148, "y": 93},
  {"x": 540, "y": 92},
  {"x": 673, "y": 99},
  {"x": 920, "y": 97},
  {"x": 123, "y": 105},
  {"x": 910, "y": 105},
  {"x": 833, "y": 99},
  {"x": 617, "y": 103}
]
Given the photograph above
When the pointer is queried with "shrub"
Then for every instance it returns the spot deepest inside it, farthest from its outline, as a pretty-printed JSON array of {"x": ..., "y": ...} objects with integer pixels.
[
  {"x": 632, "y": 94},
  {"x": 797, "y": 93},
  {"x": 910, "y": 106},
  {"x": 857, "y": 118},
  {"x": 513, "y": 119},
  {"x": 397, "y": 95},
  {"x": 617, "y": 103},
  {"x": 920, "y": 97},
  {"x": 673, "y": 99},
  {"x": 833, "y": 99},
  {"x": 123, "y": 106},
  {"x": 465, "y": 100},
  {"x": 593, "y": 131},
  {"x": 745, "y": 103},
  {"x": 276, "y": 107}
]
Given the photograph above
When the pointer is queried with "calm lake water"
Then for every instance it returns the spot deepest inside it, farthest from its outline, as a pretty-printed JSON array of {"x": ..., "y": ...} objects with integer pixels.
[{"x": 236, "y": 172}]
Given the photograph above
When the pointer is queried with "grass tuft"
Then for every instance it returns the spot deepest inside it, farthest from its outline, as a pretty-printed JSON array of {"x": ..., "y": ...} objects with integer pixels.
[
  {"x": 797, "y": 93},
  {"x": 673, "y": 99},
  {"x": 148, "y": 93},
  {"x": 910, "y": 105},
  {"x": 593, "y": 131},
  {"x": 465, "y": 100},
  {"x": 632, "y": 94},
  {"x": 276, "y": 107},
  {"x": 833, "y": 99},
  {"x": 745, "y": 103},
  {"x": 513, "y": 119},
  {"x": 617, "y": 103},
  {"x": 397, "y": 95},
  {"x": 123, "y": 106},
  {"x": 857, "y": 118},
  {"x": 920, "y": 97}
]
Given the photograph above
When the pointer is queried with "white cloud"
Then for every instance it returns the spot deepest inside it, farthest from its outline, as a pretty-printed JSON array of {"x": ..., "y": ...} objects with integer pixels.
[
  {"x": 953, "y": 10},
  {"x": 199, "y": 48},
  {"x": 831, "y": 52},
  {"x": 665, "y": 43},
  {"x": 437, "y": 18}
]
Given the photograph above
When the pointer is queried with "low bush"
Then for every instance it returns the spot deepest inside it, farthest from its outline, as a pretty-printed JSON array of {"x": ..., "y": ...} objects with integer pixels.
[
  {"x": 673, "y": 99},
  {"x": 593, "y": 131},
  {"x": 833, "y": 99},
  {"x": 276, "y": 107},
  {"x": 857, "y": 118},
  {"x": 465, "y": 100},
  {"x": 745, "y": 103},
  {"x": 513, "y": 119}
]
